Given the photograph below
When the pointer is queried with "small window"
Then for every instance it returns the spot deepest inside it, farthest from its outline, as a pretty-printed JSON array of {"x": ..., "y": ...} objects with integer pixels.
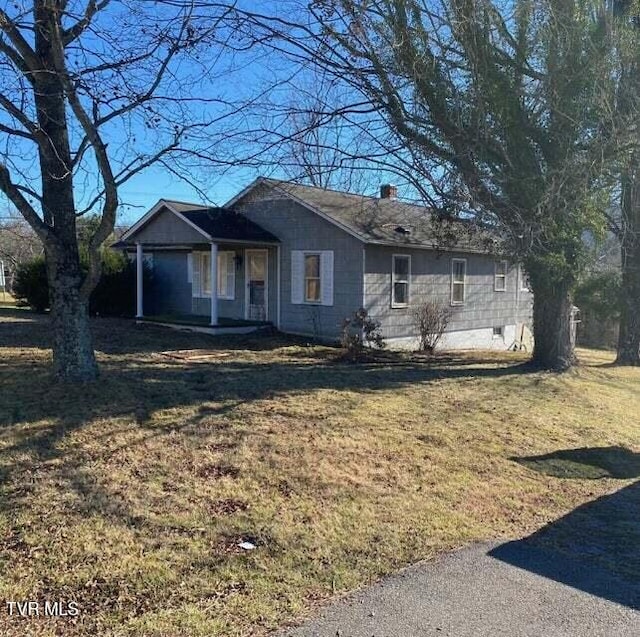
[
  {"x": 312, "y": 278},
  {"x": 226, "y": 275},
  {"x": 458, "y": 281},
  {"x": 400, "y": 273},
  {"x": 500, "y": 278},
  {"x": 498, "y": 332}
]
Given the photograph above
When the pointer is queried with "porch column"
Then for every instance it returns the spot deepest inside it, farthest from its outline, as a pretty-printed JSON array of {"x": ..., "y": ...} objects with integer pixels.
[
  {"x": 139, "y": 279},
  {"x": 214, "y": 284},
  {"x": 278, "y": 276}
]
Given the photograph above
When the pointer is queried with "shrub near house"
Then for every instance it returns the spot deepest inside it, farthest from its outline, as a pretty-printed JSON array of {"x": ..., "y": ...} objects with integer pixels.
[
  {"x": 30, "y": 286},
  {"x": 113, "y": 296},
  {"x": 431, "y": 319},
  {"x": 360, "y": 332}
]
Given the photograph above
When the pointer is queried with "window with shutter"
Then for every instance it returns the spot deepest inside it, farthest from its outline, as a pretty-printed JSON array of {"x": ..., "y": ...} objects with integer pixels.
[
  {"x": 196, "y": 287},
  {"x": 297, "y": 277},
  {"x": 199, "y": 272},
  {"x": 312, "y": 277}
]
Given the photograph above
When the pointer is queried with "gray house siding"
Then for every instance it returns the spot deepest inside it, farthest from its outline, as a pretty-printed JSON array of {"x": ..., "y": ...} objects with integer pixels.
[
  {"x": 171, "y": 291},
  {"x": 301, "y": 229},
  {"x": 431, "y": 278},
  {"x": 226, "y": 308},
  {"x": 167, "y": 228}
]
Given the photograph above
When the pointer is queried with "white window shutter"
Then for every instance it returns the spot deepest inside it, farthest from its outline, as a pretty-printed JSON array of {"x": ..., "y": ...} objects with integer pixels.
[
  {"x": 226, "y": 275},
  {"x": 326, "y": 276},
  {"x": 221, "y": 283},
  {"x": 297, "y": 277},
  {"x": 190, "y": 267},
  {"x": 196, "y": 272},
  {"x": 231, "y": 275}
]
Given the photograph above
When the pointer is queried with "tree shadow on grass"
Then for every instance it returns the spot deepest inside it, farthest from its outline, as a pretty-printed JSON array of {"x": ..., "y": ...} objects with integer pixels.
[
  {"x": 586, "y": 462},
  {"x": 131, "y": 405},
  {"x": 23, "y": 328},
  {"x": 37, "y": 415},
  {"x": 137, "y": 378},
  {"x": 596, "y": 547},
  {"x": 141, "y": 388}
]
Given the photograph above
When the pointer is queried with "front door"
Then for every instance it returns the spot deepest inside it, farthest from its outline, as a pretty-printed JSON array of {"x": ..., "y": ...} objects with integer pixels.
[{"x": 256, "y": 276}]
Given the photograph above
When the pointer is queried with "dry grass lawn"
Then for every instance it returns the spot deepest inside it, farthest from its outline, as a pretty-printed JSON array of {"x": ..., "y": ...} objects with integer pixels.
[{"x": 130, "y": 495}]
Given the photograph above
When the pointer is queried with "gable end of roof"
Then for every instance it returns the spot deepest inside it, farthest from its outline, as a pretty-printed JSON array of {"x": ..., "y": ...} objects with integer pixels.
[
  {"x": 278, "y": 187},
  {"x": 162, "y": 204}
]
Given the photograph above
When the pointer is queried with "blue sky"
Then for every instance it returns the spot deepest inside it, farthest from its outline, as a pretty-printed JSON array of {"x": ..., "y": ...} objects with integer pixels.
[
  {"x": 210, "y": 73},
  {"x": 143, "y": 191},
  {"x": 242, "y": 77}
]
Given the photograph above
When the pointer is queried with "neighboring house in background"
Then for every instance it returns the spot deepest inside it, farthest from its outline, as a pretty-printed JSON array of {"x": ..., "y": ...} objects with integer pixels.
[{"x": 304, "y": 258}]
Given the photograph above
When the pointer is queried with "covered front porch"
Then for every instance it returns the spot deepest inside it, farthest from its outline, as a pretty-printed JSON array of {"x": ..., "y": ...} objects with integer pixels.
[
  {"x": 223, "y": 286},
  {"x": 204, "y": 268}
]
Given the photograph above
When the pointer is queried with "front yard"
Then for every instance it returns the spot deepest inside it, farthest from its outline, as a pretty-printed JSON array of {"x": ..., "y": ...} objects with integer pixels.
[{"x": 130, "y": 496}]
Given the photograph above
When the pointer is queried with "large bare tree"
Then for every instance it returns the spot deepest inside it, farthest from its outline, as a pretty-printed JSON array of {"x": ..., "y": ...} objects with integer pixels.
[{"x": 91, "y": 93}]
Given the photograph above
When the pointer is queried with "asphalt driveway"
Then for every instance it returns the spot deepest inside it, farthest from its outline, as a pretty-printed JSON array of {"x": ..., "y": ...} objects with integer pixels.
[{"x": 490, "y": 590}]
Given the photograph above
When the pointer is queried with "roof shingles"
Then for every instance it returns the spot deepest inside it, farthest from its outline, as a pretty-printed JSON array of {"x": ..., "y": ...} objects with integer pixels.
[
  {"x": 221, "y": 223},
  {"x": 372, "y": 219},
  {"x": 387, "y": 221}
]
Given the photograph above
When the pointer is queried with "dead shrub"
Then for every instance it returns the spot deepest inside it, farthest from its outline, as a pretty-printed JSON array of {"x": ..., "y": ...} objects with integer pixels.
[{"x": 431, "y": 320}]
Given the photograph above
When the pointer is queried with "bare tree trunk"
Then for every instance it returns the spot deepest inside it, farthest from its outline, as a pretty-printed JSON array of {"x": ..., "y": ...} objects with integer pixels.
[
  {"x": 73, "y": 355},
  {"x": 629, "y": 339},
  {"x": 552, "y": 306}
]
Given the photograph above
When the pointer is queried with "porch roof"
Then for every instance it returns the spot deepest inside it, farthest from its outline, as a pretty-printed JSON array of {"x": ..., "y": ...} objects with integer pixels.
[{"x": 224, "y": 224}]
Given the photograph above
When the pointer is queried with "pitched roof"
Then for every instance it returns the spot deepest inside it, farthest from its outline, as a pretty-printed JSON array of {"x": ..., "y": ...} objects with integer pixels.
[
  {"x": 386, "y": 221},
  {"x": 212, "y": 222}
]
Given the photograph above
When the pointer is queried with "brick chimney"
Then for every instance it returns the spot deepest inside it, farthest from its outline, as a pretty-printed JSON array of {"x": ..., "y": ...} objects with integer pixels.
[{"x": 388, "y": 191}]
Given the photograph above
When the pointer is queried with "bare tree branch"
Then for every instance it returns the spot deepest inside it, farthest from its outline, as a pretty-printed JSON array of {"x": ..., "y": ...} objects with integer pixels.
[
  {"x": 19, "y": 201},
  {"x": 75, "y": 31}
]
